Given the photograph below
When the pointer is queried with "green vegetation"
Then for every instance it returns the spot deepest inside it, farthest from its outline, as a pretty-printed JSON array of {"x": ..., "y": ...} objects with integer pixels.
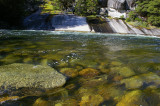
[
  {"x": 86, "y": 7},
  {"x": 146, "y": 14}
]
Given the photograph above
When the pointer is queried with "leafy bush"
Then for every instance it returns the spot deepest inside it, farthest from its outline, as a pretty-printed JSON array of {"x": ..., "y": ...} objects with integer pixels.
[
  {"x": 149, "y": 10},
  {"x": 86, "y": 7},
  {"x": 132, "y": 15}
]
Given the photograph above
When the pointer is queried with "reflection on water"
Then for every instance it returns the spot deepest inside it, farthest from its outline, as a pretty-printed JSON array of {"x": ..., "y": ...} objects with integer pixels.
[{"x": 101, "y": 69}]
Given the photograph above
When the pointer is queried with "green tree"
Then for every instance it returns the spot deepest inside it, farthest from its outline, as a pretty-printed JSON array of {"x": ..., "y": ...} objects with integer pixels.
[
  {"x": 86, "y": 7},
  {"x": 148, "y": 10}
]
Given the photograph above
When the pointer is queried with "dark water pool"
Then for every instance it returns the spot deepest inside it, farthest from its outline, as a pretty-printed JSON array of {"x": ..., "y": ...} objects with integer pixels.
[{"x": 101, "y": 69}]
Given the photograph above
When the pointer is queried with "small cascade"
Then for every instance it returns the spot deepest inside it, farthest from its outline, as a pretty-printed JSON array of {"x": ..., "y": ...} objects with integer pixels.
[
  {"x": 70, "y": 22},
  {"x": 38, "y": 21}
]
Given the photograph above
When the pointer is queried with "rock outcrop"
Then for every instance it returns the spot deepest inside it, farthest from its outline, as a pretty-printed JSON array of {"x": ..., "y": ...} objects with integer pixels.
[
  {"x": 26, "y": 75},
  {"x": 120, "y": 26}
]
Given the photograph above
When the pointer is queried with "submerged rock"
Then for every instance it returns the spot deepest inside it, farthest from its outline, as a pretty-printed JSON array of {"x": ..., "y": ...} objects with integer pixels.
[
  {"x": 91, "y": 100},
  {"x": 26, "y": 75},
  {"x": 143, "y": 80},
  {"x": 89, "y": 72},
  {"x": 40, "y": 102},
  {"x": 133, "y": 98},
  {"x": 69, "y": 72},
  {"x": 122, "y": 71}
]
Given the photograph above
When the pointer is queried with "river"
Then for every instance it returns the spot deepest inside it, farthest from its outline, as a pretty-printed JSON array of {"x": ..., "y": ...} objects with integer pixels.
[{"x": 101, "y": 69}]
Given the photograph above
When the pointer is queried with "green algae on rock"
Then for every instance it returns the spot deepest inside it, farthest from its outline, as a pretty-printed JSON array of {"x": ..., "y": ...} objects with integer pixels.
[
  {"x": 150, "y": 79},
  {"x": 69, "y": 72},
  {"x": 26, "y": 75},
  {"x": 89, "y": 72},
  {"x": 122, "y": 71},
  {"x": 133, "y": 98}
]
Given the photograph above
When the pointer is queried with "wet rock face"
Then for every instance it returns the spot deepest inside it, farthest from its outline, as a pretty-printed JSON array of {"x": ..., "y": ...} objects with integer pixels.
[
  {"x": 116, "y": 4},
  {"x": 26, "y": 75},
  {"x": 131, "y": 4},
  {"x": 121, "y": 4}
]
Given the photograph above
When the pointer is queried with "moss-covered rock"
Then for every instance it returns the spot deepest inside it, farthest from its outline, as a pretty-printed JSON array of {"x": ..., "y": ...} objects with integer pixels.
[
  {"x": 122, "y": 71},
  {"x": 89, "y": 72},
  {"x": 133, "y": 98},
  {"x": 133, "y": 82},
  {"x": 149, "y": 79},
  {"x": 94, "y": 82},
  {"x": 115, "y": 64},
  {"x": 69, "y": 72},
  {"x": 27, "y": 75},
  {"x": 41, "y": 102},
  {"x": 110, "y": 92},
  {"x": 91, "y": 100}
]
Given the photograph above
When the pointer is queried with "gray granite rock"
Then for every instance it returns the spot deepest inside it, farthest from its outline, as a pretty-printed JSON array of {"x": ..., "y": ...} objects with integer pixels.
[{"x": 26, "y": 75}]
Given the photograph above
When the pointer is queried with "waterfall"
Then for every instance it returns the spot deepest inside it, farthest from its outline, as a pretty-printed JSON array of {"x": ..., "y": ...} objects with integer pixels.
[{"x": 38, "y": 21}]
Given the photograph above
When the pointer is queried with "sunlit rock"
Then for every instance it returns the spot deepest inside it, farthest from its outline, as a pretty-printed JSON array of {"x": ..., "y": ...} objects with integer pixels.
[
  {"x": 92, "y": 100},
  {"x": 122, "y": 71},
  {"x": 143, "y": 80},
  {"x": 89, "y": 72},
  {"x": 110, "y": 92},
  {"x": 133, "y": 82},
  {"x": 133, "y": 98},
  {"x": 96, "y": 81},
  {"x": 68, "y": 102},
  {"x": 26, "y": 75},
  {"x": 40, "y": 102},
  {"x": 69, "y": 72},
  {"x": 115, "y": 64},
  {"x": 27, "y": 60}
]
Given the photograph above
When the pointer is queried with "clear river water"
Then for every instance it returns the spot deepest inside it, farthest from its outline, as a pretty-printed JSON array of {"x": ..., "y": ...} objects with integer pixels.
[{"x": 101, "y": 69}]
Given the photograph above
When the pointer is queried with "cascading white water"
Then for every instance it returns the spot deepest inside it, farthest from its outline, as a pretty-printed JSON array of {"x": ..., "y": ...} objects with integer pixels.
[{"x": 70, "y": 22}]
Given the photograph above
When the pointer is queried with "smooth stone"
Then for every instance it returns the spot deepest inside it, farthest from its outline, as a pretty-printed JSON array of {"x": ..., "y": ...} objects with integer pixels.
[
  {"x": 89, "y": 72},
  {"x": 122, "y": 71},
  {"x": 133, "y": 82},
  {"x": 115, "y": 64},
  {"x": 69, "y": 72},
  {"x": 133, "y": 98},
  {"x": 91, "y": 100},
  {"x": 68, "y": 102},
  {"x": 149, "y": 79},
  {"x": 26, "y": 75},
  {"x": 110, "y": 92},
  {"x": 96, "y": 81},
  {"x": 84, "y": 63},
  {"x": 27, "y": 60},
  {"x": 40, "y": 102}
]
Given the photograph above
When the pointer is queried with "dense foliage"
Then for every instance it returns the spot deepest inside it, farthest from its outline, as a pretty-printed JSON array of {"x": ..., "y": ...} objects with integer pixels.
[
  {"x": 86, "y": 7},
  {"x": 147, "y": 11},
  {"x": 79, "y": 7}
]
